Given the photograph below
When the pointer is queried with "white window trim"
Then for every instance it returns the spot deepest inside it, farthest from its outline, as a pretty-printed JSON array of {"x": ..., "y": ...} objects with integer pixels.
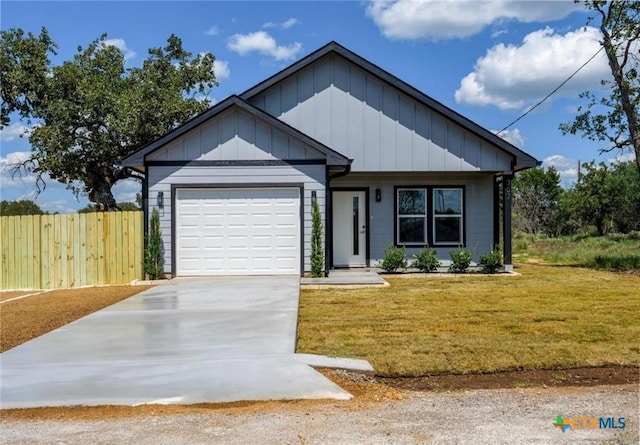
[
  {"x": 450, "y": 215},
  {"x": 424, "y": 216}
]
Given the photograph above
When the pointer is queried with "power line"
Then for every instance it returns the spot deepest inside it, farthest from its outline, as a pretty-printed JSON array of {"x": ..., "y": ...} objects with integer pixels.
[{"x": 553, "y": 92}]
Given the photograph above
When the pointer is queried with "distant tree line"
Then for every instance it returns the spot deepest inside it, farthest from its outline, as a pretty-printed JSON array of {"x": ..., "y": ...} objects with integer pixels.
[
  {"x": 27, "y": 207},
  {"x": 604, "y": 199}
]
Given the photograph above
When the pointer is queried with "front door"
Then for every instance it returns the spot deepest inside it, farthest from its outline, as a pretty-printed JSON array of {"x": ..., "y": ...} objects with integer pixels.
[{"x": 349, "y": 228}]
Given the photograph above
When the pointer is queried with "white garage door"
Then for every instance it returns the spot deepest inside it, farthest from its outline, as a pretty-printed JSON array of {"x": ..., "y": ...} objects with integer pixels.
[{"x": 237, "y": 231}]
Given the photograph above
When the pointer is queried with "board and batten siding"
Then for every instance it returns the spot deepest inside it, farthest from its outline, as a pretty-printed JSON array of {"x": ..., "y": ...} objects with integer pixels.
[
  {"x": 233, "y": 135},
  {"x": 478, "y": 208},
  {"x": 311, "y": 177},
  {"x": 373, "y": 123}
]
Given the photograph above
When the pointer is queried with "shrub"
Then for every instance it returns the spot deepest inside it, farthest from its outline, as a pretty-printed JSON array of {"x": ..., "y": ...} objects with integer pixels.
[
  {"x": 317, "y": 254},
  {"x": 490, "y": 262},
  {"x": 460, "y": 260},
  {"x": 153, "y": 252},
  {"x": 394, "y": 259},
  {"x": 426, "y": 260},
  {"x": 619, "y": 262}
]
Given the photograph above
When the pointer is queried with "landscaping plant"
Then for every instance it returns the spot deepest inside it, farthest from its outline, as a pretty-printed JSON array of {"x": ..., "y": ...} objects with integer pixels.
[
  {"x": 317, "y": 254},
  {"x": 426, "y": 260},
  {"x": 460, "y": 260},
  {"x": 394, "y": 259},
  {"x": 153, "y": 251},
  {"x": 490, "y": 262}
]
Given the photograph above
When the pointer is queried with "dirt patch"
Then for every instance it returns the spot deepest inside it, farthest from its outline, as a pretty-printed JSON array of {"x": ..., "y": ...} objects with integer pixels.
[
  {"x": 15, "y": 293},
  {"x": 608, "y": 375},
  {"x": 24, "y": 319}
]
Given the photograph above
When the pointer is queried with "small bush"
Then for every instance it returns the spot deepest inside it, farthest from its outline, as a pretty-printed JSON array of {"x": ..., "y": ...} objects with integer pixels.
[
  {"x": 460, "y": 260},
  {"x": 394, "y": 259},
  {"x": 617, "y": 262},
  {"x": 426, "y": 260},
  {"x": 490, "y": 262},
  {"x": 153, "y": 254},
  {"x": 317, "y": 252}
]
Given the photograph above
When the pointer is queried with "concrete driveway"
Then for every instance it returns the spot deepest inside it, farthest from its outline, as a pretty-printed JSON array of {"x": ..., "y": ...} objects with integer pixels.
[{"x": 187, "y": 341}]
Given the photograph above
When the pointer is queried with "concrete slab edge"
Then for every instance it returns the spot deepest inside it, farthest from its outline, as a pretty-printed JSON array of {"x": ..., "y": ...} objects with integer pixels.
[{"x": 348, "y": 364}]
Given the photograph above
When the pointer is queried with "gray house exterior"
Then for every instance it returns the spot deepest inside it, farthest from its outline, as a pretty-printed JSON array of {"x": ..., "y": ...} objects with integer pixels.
[{"x": 386, "y": 163}]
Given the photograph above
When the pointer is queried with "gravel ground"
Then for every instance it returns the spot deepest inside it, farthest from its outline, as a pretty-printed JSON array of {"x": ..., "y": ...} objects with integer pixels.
[{"x": 502, "y": 416}]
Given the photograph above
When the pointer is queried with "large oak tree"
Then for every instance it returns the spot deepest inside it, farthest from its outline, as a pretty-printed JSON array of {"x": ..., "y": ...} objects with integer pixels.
[
  {"x": 614, "y": 118},
  {"x": 93, "y": 110}
]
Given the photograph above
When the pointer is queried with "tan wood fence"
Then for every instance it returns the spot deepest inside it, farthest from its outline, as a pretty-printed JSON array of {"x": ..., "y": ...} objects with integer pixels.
[{"x": 59, "y": 251}]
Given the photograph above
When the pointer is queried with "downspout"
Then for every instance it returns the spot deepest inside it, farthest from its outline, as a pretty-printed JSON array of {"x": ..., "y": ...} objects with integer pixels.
[{"x": 328, "y": 259}]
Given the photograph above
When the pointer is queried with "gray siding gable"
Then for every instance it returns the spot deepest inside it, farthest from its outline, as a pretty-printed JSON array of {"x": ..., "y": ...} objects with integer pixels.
[
  {"x": 378, "y": 120},
  {"x": 234, "y": 130}
]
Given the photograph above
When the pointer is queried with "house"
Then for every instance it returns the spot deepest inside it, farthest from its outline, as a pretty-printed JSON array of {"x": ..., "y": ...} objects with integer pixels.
[{"x": 386, "y": 163}]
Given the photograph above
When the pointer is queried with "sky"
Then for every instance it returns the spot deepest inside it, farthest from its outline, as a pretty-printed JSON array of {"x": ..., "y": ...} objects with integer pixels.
[{"x": 490, "y": 61}]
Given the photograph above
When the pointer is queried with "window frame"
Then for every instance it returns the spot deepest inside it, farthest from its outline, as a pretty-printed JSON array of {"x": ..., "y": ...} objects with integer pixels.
[
  {"x": 398, "y": 216},
  {"x": 460, "y": 216},
  {"x": 430, "y": 216}
]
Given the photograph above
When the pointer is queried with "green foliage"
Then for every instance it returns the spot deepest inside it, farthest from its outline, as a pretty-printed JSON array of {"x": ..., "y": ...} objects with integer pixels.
[
  {"x": 426, "y": 260},
  {"x": 23, "y": 207},
  {"x": 122, "y": 206},
  {"x": 460, "y": 260},
  {"x": 617, "y": 262},
  {"x": 317, "y": 251},
  {"x": 153, "y": 253},
  {"x": 536, "y": 199},
  {"x": 394, "y": 259},
  {"x": 490, "y": 262},
  {"x": 612, "y": 117},
  {"x": 113, "y": 109},
  {"x": 607, "y": 197}
]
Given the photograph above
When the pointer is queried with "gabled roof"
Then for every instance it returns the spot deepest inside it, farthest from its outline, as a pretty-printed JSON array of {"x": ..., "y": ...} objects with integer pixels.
[
  {"x": 332, "y": 156},
  {"x": 521, "y": 159}
]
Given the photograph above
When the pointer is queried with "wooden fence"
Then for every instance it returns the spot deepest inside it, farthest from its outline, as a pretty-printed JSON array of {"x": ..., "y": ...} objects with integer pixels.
[{"x": 59, "y": 251}]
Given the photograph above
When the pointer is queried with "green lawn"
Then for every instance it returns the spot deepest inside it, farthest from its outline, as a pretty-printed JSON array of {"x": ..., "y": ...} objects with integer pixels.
[{"x": 549, "y": 317}]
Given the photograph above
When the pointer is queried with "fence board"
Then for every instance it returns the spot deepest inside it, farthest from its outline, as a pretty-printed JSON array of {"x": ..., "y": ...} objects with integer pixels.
[{"x": 54, "y": 251}]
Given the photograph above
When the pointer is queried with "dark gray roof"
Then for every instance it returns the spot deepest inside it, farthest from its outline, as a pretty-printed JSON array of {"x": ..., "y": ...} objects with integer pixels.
[
  {"x": 522, "y": 159},
  {"x": 332, "y": 156}
]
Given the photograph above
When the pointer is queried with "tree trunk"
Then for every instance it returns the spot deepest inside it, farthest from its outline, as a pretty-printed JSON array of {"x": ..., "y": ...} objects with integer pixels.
[
  {"x": 617, "y": 70},
  {"x": 100, "y": 194}
]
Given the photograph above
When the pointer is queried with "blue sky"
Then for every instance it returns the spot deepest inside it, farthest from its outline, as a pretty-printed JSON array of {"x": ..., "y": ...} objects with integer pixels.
[{"x": 489, "y": 61}]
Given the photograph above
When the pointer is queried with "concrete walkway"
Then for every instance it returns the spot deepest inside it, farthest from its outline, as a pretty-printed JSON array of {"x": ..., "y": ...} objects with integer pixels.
[{"x": 187, "y": 341}]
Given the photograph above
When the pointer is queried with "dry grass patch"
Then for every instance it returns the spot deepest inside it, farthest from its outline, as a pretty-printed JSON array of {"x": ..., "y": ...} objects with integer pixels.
[
  {"x": 550, "y": 317},
  {"x": 27, "y": 318}
]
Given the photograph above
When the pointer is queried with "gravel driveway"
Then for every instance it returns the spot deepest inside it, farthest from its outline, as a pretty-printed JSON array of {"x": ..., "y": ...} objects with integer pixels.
[{"x": 508, "y": 416}]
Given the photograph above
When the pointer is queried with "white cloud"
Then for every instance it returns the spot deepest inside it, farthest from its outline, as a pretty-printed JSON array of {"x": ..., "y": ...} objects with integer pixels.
[
  {"x": 567, "y": 168},
  {"x": 221, "y": 70},
  {"x": 13, "y": 132},
  {"x": 514, "y": 137},
  {"x": 449, "y": 19},
  {"x": 19, "y": 179},
  {"x": 212, "y": 31},
  {"x": 58, "y": 205},
  {"x": 261, "y": 42},
  {"x": 126, "y": 190},
  {"x": 122, "y": 46},
  {"x": 286, "y": 24},
  {"x": 514, "y": 77}
]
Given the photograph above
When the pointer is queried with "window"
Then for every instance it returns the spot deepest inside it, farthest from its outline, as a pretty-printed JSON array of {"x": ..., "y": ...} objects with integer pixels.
[
  {"x": 447, "y": 216},
  {"x": 412, "y": 216},
  {"x": 429, "y": 215}
]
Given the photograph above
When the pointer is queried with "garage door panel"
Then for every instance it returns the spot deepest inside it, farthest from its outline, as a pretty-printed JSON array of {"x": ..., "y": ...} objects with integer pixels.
[{"x": 238, "y": 231}]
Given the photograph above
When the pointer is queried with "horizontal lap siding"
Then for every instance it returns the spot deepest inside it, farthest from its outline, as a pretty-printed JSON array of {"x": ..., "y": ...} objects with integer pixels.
[
  {"x": 478, "y": 207},
  {"x": 161, "y": 179},
  {"x": 379, "y": 127}
]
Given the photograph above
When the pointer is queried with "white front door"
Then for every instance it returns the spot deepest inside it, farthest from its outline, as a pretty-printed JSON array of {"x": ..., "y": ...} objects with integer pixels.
[{"x": 349, "y": 229}]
